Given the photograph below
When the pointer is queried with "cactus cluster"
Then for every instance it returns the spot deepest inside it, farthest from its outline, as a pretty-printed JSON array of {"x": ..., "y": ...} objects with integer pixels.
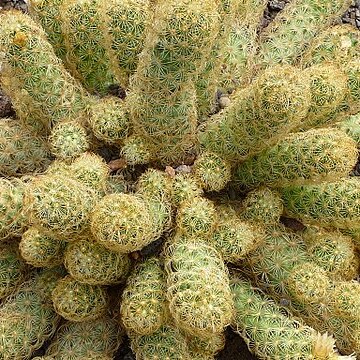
[{"x": 155, "y": 213}]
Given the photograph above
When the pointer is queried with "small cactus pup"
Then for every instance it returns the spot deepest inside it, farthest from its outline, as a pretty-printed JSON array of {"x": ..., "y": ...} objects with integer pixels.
[
  {"x": 91, "y": 170},
  {"x": 302, "y": 158},
  {"x": 135, "y": 151},
  {"x": 27, "y": 318},
  {"x": 12, "y": 268},
  {"x": 12, "y": 219},
  {"x": 276, "y": 335},
  {"x": 332, "y": 251},
  {"x": 33, "y": 77},
  {"x": 198, "y": 292},
  {"x": 69, "y": 140},
  {"x": 167, "y": 343},
  {"x": 144, "y": 308},
  {"x": 234, "y": 238},
  {"x": 197, "y": 217},
  {"x": 108, "y": 120},
  {"x": 128, "y": 222},
  {"x": 201, "y": 349},
  {"x": 212, "y": 172},
  {"x": 281, "y": 43},
  {"x": 94, "y": 340},
  {"x": 60, "y": 204},
  {"x": 334, "y": 204},
  {"x": 40, "y": 250},
  {"x": 272, "y": 106},
  {"x": 184, "y": 188},
  {"x": 262, "y": 206},
  {"x": 337, "y": 44},
  {"x": 21, "y": 151},
  {"x": 91, "y": 263},
  {"x": 76, "y": 301}
]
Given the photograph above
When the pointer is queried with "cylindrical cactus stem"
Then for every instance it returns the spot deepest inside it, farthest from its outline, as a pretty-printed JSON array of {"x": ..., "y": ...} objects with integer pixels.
[
  {"x": 262, "y": 206},
  {"x": 167, "y": 343},
  {"x": 41, "y": 250},
  {"x": 124, "y": 25},
  {"x": 60, "y": 204},
  {"x": 337, "y": 44},
  {"x": 335, "y": 204},
  {"x": 91, "y": 263},
  {"x": 86, "y": 57},
  {"x": 162, "y": 99},
  {"x": 144, "y": 307},
  {"x": 32, "y": 75},
  {"x": 198, "y": 287},
  {"x": 327, "y": 95},
  {"x": 27, "y": 319},
  {"x": 276, "y": 335},
  {"x": 332, "y": 251},
  {"x": 211, "y": 171},
  {"x": 346, "y": 295},
  {"x": 94, "y": 340},
  {"x": 22, "y": 152},
  {"x": 12, "y": 268},
  {"x": 201, "y": 349},
  {"x": 281, "y": 42},
  {"x": 77, "y": 301},
  {"x": 48, "y": 14},
  {"x": 352, "y": 70},
  {"x": 302, "y": 158},
  {"x": 269, "y": 109}
]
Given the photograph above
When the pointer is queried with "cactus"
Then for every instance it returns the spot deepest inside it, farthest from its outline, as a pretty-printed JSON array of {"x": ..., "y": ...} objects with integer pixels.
[
  {"x": 350, "y": 125},
  {"x": 332, "y": 251},
  {"x": 185, "y": 187},
  {"x": 273, "y": 105},
  {"x": 337, "y": 44},
  {"x": 332, "y": 204},
  {"x": 262, "y": 205},
  {"x": 60, "y": 205},
  {"x": 234, "y": 238},
  {"x": 302, "y": 158},
  {"x": 77, "y": 301},
  {"x": 40, "y": 250},
  {"x": 205, "y": 349},
  {"x": 91, "y": 263},
  {"x": 68, "y": 140},
  {"x": 13, "y": 268},
  {"x": 95, "y": 339},
  {"x": 34, "y": 77},
  {"x": 91, "y": 170},
  {"x": 212, "y": 172},
  {"x": 12, "y": 219},
  {"x": 144, "y": 307},
  {"x": 21, "y": 151},
  {"x": 128, "y": 222},
  {"x": 109, "y": 120},
  {"x": 285, "y": 39},
  {"x": 167, "y": 343},
  {"x": 197, "y": 217},
  {"x": 27, "y": 320},
  {"x": 271, "y": 334},
  {"x": 135, "y": 151},
  {"x": 198, "y": 287}
]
